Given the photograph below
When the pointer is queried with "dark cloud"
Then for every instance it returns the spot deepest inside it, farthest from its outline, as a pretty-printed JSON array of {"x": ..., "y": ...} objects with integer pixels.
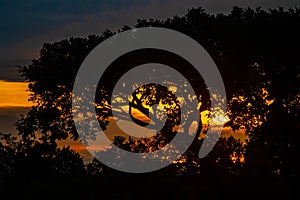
[
  {"x": 27, "y": 18},
  {"x": 8, "y": 117},
  {"x": 22, "y": 19},
  {"x": 26, "y": 25},
  {"x": 10, "y": 74}
]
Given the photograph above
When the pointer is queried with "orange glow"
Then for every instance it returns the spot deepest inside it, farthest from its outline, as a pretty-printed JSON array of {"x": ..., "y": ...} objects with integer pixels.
[
  {"x": 13, "y": 94},
  {"x": 237, "y": 157},
  {"x": 213, "y": 118},
  {"x": 140, "y": 116}
]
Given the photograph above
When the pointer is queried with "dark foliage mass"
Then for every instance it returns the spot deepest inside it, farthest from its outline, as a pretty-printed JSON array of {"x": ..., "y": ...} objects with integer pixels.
[{"x": 257, "y": 53}]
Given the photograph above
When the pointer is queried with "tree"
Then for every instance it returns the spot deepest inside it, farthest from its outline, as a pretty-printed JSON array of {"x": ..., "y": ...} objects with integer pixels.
[{"x": 256, "y": 56}]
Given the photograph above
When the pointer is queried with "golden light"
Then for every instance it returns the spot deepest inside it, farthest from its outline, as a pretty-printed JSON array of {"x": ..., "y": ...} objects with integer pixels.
[
  {"x": 213, "y": 118},
  {"x": 234, "y": 157},
  {"x": 140, "y": 116},
  {"x": 13, "y": 94}
]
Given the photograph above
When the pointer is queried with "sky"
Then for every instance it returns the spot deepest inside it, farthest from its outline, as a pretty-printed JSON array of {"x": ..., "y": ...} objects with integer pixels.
[{"x": 27, "y": 24}]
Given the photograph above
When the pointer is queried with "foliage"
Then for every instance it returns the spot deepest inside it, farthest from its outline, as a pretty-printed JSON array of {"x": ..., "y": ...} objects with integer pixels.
[{"x": 257, "y": 54}]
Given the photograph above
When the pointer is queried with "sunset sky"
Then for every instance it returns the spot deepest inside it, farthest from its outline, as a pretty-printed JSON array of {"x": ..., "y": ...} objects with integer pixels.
[
  {"x": 13, "y": 94},
  {"x": 13, "y": 101},
  {"x": 26, "y": 25}
]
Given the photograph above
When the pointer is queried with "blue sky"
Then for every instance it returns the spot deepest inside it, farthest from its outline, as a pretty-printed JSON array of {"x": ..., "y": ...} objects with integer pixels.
[{"x": 27, "y": 24}]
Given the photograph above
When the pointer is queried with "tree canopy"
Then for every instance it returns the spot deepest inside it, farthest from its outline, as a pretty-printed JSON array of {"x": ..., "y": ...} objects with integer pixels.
[{"x": 257, "y": 54}]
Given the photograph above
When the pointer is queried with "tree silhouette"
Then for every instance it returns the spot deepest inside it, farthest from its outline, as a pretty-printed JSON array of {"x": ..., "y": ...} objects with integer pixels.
[{"x": 256, "y": 52}]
